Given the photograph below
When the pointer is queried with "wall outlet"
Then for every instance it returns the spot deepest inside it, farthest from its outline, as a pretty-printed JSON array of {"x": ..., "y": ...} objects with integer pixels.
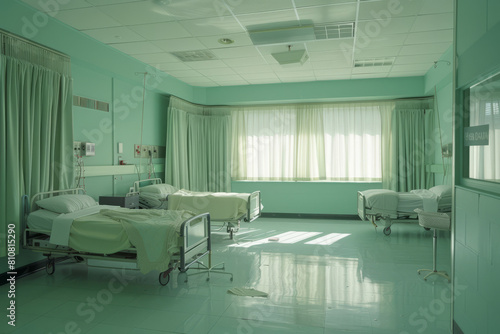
[{"x": 77, "y": 148}]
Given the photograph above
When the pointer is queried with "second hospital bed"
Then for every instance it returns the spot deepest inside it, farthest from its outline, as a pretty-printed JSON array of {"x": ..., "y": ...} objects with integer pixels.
[
  {"x": 390, "y": 206},
  {"x": 227, "y": 207},
  {"x": 70, "y": 223}
]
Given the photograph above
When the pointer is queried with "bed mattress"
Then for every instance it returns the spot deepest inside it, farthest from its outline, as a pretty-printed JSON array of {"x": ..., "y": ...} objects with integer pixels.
[
  {"x": 222, "y": 206},
  {"x": 94, "y": 233}
]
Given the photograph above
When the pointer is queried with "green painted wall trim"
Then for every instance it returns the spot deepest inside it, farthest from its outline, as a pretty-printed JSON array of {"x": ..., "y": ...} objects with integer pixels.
[{"x": 318, "y": 91}]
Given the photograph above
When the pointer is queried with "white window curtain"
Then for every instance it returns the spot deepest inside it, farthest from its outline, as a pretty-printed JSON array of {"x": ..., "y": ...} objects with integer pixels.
[
  {"x": 198, "y": 147},
  {"x": 484, "y": 161},
  {"x": 307, "y": 142},
  {"x": 36, "y": 126}
]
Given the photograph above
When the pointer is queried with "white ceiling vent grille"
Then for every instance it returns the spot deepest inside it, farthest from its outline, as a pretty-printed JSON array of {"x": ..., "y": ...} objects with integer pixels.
[
  {"x": 194, "y": 55},
  {"x": 334, "y": 31},
  {"x": 388, "y": 61}
]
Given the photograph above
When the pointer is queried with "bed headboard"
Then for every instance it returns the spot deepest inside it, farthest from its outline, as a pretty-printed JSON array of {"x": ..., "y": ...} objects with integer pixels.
[
  {"x": 47, "y": 194},
  {"x": 147, "y": 182}
]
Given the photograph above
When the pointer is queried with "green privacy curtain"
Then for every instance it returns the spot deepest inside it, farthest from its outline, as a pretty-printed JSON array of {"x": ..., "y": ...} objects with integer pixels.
[
  {"x": 198, "y": 147},
  {"x": 36, "y": 130},
  {"x": 412, "y": 146}
]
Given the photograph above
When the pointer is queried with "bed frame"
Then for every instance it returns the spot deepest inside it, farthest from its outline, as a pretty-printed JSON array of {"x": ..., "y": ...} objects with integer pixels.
[
  {"x": 366, "y": 213},
  {"x": 232, "y": 226},
  {"x": 194, "y": 233}
]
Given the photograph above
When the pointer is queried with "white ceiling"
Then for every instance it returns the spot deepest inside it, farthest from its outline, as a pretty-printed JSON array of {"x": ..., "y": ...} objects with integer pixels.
[{"x": 414, "y": 33}]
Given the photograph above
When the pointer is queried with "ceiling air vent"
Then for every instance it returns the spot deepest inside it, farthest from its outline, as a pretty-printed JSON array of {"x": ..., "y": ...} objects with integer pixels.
[
  {"x": 194, "y": 55},
  {"x": 388, "y": 61},
  {"x": 334, "y": 31}
]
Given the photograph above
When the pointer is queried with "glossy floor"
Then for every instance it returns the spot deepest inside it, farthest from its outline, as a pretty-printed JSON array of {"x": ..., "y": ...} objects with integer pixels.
[{"x": 321, "y": 276}]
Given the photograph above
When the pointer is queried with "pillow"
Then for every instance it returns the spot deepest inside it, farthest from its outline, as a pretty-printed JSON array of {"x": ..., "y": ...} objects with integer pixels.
[
  {"x": 442, "y": 191},
  {"x": 66, "y": 203},
  {"x": 163, "y": 189}
]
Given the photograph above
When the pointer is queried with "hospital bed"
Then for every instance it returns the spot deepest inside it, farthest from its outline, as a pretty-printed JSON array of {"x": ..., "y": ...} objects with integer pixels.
[
  {"x": 68, "y": 223},
  {"x": 390, "y": 206},
  {"x": 226, "y": 207}
]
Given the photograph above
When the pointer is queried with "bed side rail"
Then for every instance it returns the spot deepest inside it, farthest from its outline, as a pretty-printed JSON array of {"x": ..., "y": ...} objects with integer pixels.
[
  {"x": 361, "y": 206},
  {"x": 254, "y": 206},
  {"x": 146, "y": 182}
]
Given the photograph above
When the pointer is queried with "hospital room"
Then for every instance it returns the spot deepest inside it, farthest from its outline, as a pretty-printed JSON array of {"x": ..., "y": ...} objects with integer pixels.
[{"x": 237, "y": 166}]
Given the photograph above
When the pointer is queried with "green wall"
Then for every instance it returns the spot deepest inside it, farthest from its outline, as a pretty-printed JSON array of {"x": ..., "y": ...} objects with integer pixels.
[
  {"x": 439, "y": 83},
  {"x": 477, "y": 230}
]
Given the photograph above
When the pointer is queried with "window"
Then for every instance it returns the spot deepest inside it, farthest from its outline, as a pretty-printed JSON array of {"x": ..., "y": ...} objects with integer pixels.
[{"x": 307, "y": 142}]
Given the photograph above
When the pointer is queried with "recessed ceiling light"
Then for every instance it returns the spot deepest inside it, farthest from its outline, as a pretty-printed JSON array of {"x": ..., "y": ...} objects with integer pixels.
[{"x": 226, "y": 41}]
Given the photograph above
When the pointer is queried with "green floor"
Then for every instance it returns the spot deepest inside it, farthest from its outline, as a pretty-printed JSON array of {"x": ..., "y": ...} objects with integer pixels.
[{"x": 322, "y": 276}]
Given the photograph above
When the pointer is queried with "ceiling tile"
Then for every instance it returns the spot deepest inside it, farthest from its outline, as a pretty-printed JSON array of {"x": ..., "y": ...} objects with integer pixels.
[
  {"x": 420, "y": 59},
  {"x": 333, "y": 72},
  {"x": 444, "y": 36},
  {"x": 376, "y": 28},
  {"x": 411, "y": 68},
  {"x": 298, "y": 79},
  {"x": 330, "y": 45},
  {"x": 368, "y": 75},
  {"x": 164, "y": 30},
  {"x": 388, "y": 10},
  {"x": 310, "y": 3},
  {"x": 245, "y": 62},
  {"x": 433, "y": 22},
  {"x": 109, "y": 2},
  {"x": 405, "y": 74},
  {"x": 86, "y": 18},
  {"x": 381, "y": 40},
  {"x": 136, "y": 48},
  {"x": 114, "y": 35},
  {"x": 134, "y": 13},
  {"x": 238, "y": 52},
  {"x": 260, "y": 81},
  {"x": 212, "y": 42},
  {"x": 371, "y": 70},
  {"x": 258, "y": 6},
  {"x": 262, "y": 75},
  {"x": 249, "y": 70},
  {"x": 180, "y": 44},
  {"x": 172, "y": 67},
  {"x": 268, "y": 20},
  {"x": 213, "y": 26},
  {"x": 391, "y": 51},
  {"x": 184, "y": 73},
  {"x": 328, "y": 56},
  {"x": 55, "y": 7},
  {"x": 328, "y": 14},
  {"x": 422, "y": 49},
  {"x": 206, "y": 64},
  {"x": 216, "y": 71},
  {"x": 157, "y": 58},
  {"x": 331, "y": 64}
]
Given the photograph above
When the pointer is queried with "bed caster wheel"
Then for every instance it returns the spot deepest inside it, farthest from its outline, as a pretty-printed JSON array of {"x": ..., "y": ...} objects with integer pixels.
[
  {"x": 387, "y": 231},
  {"x": 78, "y": 259},
  {"x": 50, "y": 267},
  {"x": 427, "y": 228},
  {"x": 164, "y": 277},
  {"x": 231, "y": 234}
]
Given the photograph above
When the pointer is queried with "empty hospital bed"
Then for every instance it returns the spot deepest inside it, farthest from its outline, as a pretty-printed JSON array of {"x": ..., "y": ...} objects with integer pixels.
[
  {"x": 226, "y": 207},
  {"x": 70, "y": 223},
  {"x": 390, "y": 206}
]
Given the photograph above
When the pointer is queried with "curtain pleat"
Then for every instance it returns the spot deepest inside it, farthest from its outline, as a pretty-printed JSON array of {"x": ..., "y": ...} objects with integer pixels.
[
  {"x": 37, "y": 134},
  {"x": 198, "y": 147}
]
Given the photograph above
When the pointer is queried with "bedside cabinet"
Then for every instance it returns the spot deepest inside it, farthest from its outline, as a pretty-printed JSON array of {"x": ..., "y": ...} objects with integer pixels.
[{"x": 131, "y": 202}]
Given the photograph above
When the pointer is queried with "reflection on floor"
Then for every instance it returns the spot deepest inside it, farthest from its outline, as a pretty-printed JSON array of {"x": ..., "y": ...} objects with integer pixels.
[{"x": 322, "y": 276}]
